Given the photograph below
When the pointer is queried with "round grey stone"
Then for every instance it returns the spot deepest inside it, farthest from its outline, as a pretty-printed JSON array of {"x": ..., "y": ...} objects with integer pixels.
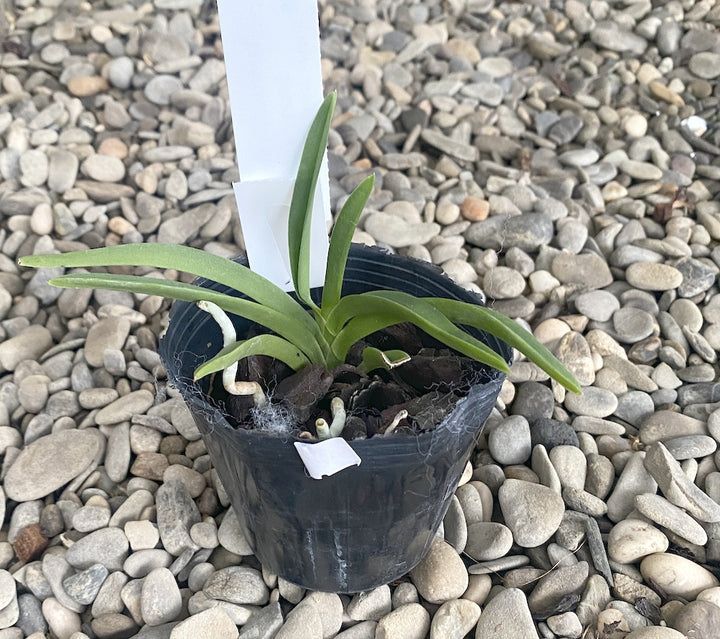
[
  {"x": 594, "y": 402},
  {"x": 634, "y": 480},
  {"x": 666, "y": 424},
  {"x": 662, "y": 512},
  {"x": 213, "y": 622},
  {"x": 699, "y": 618},
  {"x": 204, "y": 534},
  {"x": 410, "y": 621},
  {"x": 633, "y": 539},
  {"x": 394, "y": 231},
  {"x": 506, "y": 615},
  {"x": 589, "y": 270},
  {"x": 676, "y": 575},
  {"x": 488, "y": 541},
  {"x": 526, "y": 232},
  {"x": 89, "y": 518},
  {"x": 142, "y": 562},
  {"x": 687, "y": 313},
  {"x": 103, "y": 168},
  {"x": 597, "y": 305},
  {"x": 454, "y": 619},
  {"x": 691, "y": 446},
  {"x": 634, "y": 407},
  {"x": 574, "y": 352},
  {"x": 579, "y": 157},
  {"x": 509, "y": 442},
  {"x": 650, "y": 276},
  {"x": 441, "y": 575},
  {"x": 565, "y": 625},
  {"x": 632, "y": 324},
  {"x": 600, "y": 475},
  {"x": 565, "y": 129},
  {"x": 30, "y": 618},
  {"x": 34, "y": 167},
  {"x": 531, "y": 511},
  {"x": 455, "y": 526},
  {"x": 551, "y": 433},
  {"x": 49, "y": 463},
  {"x": 370, "y": 605},
  {"x": 161, "y": 87},
  {"x": 160, "y": 599},
  {"x": 108, "y": 599},
  {"x": 8, "y": 591},
  {"x": 231, "y": 536},
  {"x": 176, "y": 513},
  {"x": 501, "y": 282},
  {"x": 120, "y": 72},
  {"x": 107, "y": 546},
  {"x": 560, "y": 583},
  {"x": 705, "y": 64},
  {"x": 698, "y": 277},
  {"x": 533, "y": 400},
  {"x": 29, "y": 343},
  {"x": 570, "y": 464},
  {"x": 238, "y": 585},
  {"x": 125, "y": 408},
  {"x": 83, "y": 586}
]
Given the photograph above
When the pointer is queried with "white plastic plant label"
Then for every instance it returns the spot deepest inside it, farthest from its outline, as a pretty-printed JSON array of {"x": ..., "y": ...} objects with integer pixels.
[
  {"x": 272, "y": 59},
  {"x": 325, "y": 458}
]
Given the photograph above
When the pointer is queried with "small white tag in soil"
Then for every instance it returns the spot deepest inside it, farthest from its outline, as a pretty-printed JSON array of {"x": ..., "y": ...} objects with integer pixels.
[{"x": 327, "y": 457}]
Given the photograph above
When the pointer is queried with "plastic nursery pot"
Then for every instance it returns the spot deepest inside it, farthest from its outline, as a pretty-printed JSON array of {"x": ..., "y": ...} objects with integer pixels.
[{"x": 366, "y": 525}]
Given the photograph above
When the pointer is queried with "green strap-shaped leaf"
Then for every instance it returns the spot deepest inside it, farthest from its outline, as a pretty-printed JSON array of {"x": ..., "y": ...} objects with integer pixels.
[
  {"x": 301, "y": 205},
  {"x": 285, "y": 325},
  {"x": 373, "y": 359},
  {"x": 487, "y": 319},
  {"x": 270, "y": 345},
  {"x": 372, "y": 311},
  {"x": 185, "y": 259},
  {"x": 340, "y": 240}
]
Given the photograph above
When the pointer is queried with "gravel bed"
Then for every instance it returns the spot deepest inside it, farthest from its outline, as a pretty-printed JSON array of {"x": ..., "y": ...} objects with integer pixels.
[{"x": 563, "y": 158}]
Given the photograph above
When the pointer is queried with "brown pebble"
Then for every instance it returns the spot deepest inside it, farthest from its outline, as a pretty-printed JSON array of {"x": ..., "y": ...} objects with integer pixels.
[
  {"x": 475, "y": 209},
  {"x": 120, "y": 225},
  {"x": 659, "y": 90},
  {"x": 208, "y": 502},
  {"x": 150, "y": 466},
  {"x": 51, "y": 521},
  {"x": 363, "y": 164},
  {"x": 86, "y": 85},
  {"x": 114, "y": 147},
  {"x": 30, "y": 543}
]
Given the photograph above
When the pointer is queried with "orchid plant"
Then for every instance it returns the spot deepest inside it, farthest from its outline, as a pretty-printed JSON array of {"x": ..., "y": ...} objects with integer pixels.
[{"x": 302, "y": 331}]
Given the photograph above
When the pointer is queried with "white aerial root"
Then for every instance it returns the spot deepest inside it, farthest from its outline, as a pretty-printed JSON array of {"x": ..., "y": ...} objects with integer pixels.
[
  {"x": 394, "y": 423},
  {"x": 230, "y": 337},
  {"x": 322, "y": 428},
  {"x": 335, "y": 429}
]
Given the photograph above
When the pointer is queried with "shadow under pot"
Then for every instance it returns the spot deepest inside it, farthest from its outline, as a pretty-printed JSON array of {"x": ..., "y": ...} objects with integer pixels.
[{"x": 366, "y": 525}]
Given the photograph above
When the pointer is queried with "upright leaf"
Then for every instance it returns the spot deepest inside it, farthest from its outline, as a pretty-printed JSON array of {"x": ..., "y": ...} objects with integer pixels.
[
  {"x": 301, "y": 205},
  {"x": 340, "y": 240}
]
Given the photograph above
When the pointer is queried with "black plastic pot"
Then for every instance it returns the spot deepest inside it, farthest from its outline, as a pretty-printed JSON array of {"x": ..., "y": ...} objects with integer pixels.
[{"x": 366, "y": 525}]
